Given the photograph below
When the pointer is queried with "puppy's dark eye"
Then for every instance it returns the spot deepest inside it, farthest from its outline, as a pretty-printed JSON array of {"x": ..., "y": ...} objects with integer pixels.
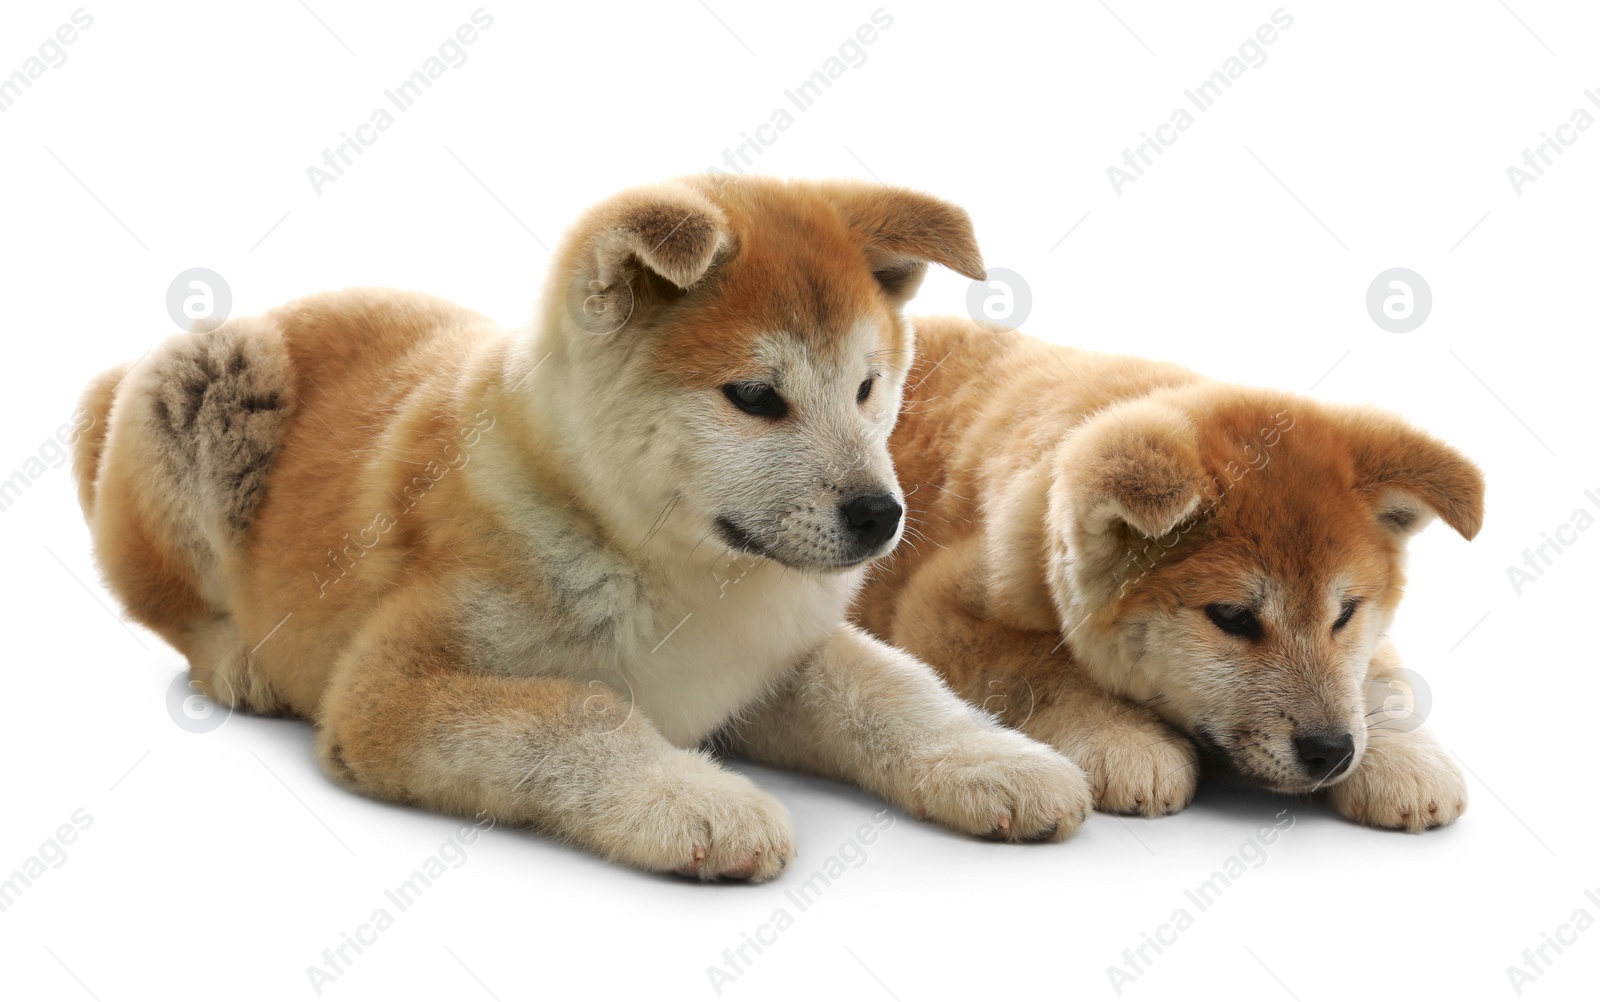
[
  {"x": 1345, "y": 612},
  {"x": 756, "y": 398},
  {"x": 1236, "y": 620},
  {"x": 864, "y": 390}
]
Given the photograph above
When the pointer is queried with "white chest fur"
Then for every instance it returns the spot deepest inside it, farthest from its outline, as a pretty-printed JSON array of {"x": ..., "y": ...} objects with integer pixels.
[
  {"x": 689, "y": 645},
  {"x": 654, "y": 607},
  {"x": 725, "y": 642}
]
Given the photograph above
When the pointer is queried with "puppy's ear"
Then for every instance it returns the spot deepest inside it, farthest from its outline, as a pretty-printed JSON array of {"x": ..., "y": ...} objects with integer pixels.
[
  {"x": 668, "y": 230},
  {"x": 1129, "y": 477},
  {"x": 1136, "y": 465},
  {"x": 901, "y": 231},
  {"x": 1412, "y": 476}
]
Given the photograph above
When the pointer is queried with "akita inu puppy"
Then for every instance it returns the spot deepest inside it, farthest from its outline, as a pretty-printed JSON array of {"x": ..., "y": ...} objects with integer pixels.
[
  {"x": 538, "y": 574},
  {"x": 1126, "y": 560}
]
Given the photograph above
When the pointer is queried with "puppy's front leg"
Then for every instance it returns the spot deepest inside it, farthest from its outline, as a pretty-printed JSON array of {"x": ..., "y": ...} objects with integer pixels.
[
  {"x": 1136, "y": 762},
  {"x": 405, "y": 719},
  {"x": 1405, "y": 779},
  {"x": 865, "y": 712},
  {"x": 1031, "y": 680}
]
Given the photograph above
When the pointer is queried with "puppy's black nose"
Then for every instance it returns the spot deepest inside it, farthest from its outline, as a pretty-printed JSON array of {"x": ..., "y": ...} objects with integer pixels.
[
  {"x": 1326, "y": 755},
  {"x": 872, "y": 518}
]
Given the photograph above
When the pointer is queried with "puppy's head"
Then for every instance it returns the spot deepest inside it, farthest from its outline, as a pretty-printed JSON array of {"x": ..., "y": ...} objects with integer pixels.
[
  {"x": 1233, "y": 556},
  {"x": 738, "y": 354}
]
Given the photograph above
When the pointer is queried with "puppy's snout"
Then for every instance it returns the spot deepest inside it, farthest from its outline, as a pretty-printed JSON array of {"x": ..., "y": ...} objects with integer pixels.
[
  {"x": 872, "y": 519},
  {"x": 1326, "y": 755}
]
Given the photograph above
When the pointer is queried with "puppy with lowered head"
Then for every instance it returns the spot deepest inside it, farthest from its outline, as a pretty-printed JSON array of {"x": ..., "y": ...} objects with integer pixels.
[
  {"x": 1128, "y": 560},
  {"x": 539, "y": 574}
]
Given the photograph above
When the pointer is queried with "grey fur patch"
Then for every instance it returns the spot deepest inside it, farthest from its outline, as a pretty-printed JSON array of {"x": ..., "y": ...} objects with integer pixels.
[
  {"x": 220, "y": 402},
  {"x": 577, "y": 598}
]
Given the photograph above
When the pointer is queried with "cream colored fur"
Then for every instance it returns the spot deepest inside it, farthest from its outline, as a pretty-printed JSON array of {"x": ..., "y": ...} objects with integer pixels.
[
  {"x": 543, "y": 575},
  {"x": 1086, "y": 524}
]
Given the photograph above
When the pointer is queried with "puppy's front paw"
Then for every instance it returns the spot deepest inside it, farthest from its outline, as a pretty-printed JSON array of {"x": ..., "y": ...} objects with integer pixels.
[
  {"x": 1137, "y": 765},
  {"x": 1002, "y": 785},
  {"x": 1408, "y": 782},
  {"x": 700, "y": 820}
]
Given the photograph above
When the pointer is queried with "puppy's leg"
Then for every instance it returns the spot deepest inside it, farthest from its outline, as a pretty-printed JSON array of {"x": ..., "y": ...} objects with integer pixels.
[
  {"x": 865, "y": 712},
  {"x": 1405, "y": 779},
  {"x": 1135, "y": 762},
  {"x": 404, "y": 721}
]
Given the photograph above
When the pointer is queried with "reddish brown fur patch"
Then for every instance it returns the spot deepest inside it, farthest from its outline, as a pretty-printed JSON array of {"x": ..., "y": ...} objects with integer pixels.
[
  {"x": 1299, "y": 520},
  {"x": 994, "y": 425},
  {"x": 305, "y": 608},
  {"x": 795, "y": 268},
  {"x": 982, "y": 406}
]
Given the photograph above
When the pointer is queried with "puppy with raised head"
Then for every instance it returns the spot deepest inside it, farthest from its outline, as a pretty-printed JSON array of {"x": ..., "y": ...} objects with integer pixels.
[
  {"x": 1127, "y": 560},
  {"x": 541, "y": 574}
]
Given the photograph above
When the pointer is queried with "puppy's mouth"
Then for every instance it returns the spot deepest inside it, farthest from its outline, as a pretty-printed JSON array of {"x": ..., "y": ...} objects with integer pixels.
[
  {"x": 736, "y": 537},
  {"x": 1271, "y": 775},
  {"x": 1215, "y": 753}
]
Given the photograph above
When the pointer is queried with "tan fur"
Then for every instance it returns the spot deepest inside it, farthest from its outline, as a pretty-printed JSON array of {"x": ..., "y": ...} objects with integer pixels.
[
  {"x": 1076, "y": 514},
  {"x": 495, "y": 567}
]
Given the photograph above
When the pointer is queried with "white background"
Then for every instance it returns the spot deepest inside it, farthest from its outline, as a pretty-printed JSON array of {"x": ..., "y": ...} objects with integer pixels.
[{"x": 222, "y": 864}]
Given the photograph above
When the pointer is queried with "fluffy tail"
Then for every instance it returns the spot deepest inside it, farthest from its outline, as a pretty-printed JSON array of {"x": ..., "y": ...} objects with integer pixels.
[{"x": 92, "y": 419}]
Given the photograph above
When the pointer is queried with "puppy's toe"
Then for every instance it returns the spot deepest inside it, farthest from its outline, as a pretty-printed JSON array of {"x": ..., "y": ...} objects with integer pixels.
[
  {"x": 751, "y": 842},
  {"x": 706, "y": 823},
  {"x": 1006, "y": 787},
  {"x": 1138, "y": 768},
  {"x": 1408, "y": 785},
  {"x": 697, "y": 859}
]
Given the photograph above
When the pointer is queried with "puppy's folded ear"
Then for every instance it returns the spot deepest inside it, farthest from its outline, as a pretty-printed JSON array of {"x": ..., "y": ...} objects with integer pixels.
[
  {"x": 1129, "y": 477},
  {"x": 1138, "y": 466},
  {"x": 1412, "y": 476},
  {"x": 901, "y": 231},
  {"x": 668, "y": 230}
]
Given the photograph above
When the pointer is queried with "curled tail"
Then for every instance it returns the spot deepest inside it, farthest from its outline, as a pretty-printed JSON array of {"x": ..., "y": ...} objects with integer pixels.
[{"x": 91, "y": 420}]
